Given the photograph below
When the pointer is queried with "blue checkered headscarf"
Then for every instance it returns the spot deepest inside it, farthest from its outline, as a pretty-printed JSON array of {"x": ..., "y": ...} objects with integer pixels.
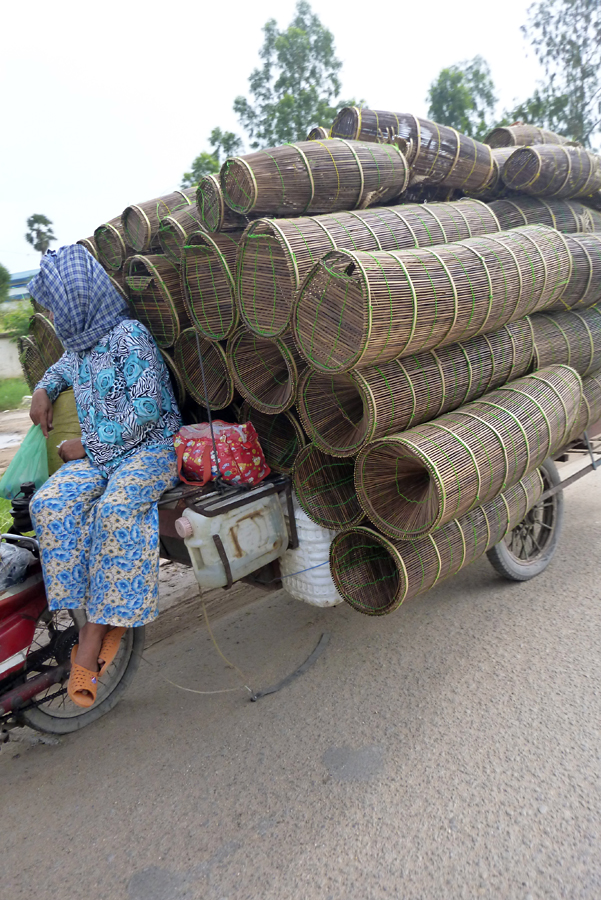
[{"x": 79, "y": 293}]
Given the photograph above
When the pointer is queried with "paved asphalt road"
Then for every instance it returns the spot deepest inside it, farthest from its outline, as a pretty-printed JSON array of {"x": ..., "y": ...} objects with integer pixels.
[{"x": 450, "y": 750}]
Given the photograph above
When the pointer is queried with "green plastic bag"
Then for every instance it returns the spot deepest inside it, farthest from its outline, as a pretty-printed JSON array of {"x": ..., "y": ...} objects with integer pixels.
[{"x": 30, "y": 463}]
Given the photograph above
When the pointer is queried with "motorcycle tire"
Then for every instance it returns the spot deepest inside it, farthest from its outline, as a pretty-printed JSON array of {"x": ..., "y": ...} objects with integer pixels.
[{"x": 61, "y": 716}]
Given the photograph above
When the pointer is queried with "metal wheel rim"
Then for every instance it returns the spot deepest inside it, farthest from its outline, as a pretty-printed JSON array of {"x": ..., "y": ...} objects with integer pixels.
[{"x": 530, "y": 539}]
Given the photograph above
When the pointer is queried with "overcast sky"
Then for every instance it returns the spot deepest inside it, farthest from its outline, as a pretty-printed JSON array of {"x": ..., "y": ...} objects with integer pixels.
[{"x": 106, "y": 104}]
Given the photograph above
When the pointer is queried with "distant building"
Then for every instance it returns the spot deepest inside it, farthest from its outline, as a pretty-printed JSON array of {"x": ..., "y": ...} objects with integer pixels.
[{"x": 18, "y": 284}]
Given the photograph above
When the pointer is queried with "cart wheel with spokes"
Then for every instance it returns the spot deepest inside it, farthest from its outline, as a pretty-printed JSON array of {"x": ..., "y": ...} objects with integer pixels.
[
  {"x": 528, "y": 549},
  {"x": 54, "y": 712}
]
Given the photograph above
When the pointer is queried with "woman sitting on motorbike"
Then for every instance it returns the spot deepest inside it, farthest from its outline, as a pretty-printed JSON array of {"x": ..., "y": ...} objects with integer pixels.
[{"x": 96, "y": 518}]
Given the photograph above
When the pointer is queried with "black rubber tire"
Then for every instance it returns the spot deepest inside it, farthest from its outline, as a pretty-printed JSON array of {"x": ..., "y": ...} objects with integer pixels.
[
  {"x": 510, "y": 566},
  {"x": 42, "y": 720}
]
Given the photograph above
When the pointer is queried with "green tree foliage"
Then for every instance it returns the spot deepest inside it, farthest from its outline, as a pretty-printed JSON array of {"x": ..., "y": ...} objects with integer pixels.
[
  {"x": 204, "y": 164},
  {"x": 4, "y": 283},
  {"x": 566, "y": 36},
  {"x": 40, "y": 234},
  {"x": 224, "y": 143},
  {"x": 16, "y": 322},
  {"x": 297, "y": 85},
  {"x": 463, "y": 97}
]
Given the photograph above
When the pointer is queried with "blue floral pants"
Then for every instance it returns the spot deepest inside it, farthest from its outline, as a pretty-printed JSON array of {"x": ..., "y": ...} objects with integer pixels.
[{"x": 99, "y": 537}]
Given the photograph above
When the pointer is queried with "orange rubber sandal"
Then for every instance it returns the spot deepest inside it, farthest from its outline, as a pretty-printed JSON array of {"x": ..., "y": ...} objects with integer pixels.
[
  {"x": 109, "y": 647},
  {"x": 81, "y": 680}
]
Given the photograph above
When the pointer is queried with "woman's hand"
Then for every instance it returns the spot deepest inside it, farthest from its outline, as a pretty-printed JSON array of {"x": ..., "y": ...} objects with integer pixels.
[
  {"x": 40, "y": 411},
  {"x": 73, "y": 449}
]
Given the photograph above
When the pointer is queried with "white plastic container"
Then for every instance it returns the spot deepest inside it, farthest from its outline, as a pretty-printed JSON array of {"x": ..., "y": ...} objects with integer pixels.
[
  {"x": 314, "y": 586},
  {"x": 252, "y": 536}
]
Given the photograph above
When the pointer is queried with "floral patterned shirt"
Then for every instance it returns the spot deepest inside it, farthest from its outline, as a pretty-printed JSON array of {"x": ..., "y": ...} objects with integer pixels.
[{"x": 123, "y": 394}]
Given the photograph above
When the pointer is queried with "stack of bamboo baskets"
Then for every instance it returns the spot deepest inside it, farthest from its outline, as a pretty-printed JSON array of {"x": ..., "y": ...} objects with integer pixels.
[{"x": 411, "y": 364}]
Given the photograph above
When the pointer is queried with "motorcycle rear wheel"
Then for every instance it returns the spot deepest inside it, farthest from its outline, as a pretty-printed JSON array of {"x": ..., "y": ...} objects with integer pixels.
[{"x": 54, "y": 712}]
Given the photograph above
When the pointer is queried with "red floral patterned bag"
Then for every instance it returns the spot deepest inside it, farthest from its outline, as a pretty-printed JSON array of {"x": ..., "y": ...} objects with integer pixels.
[{"x": 241, "y": 459}]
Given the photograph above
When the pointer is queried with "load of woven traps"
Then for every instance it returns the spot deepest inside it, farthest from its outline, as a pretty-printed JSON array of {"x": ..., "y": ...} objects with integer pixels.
[
  {"x": 410, "y": 318},
  {"x": 375, "y": 573}
]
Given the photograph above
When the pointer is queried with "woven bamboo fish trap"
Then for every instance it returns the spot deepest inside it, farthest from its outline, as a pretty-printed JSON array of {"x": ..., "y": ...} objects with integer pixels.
[
  {"x": 438, "y": 154},
  {"x": 175, "y": 231},
  {"x": 90, "y": 244},
  {"x": 495, "y": 187},
  {"x": 567, "y": 216},
  {"x": 552, "y": 170},
  {"x": 584, "y": 287},
  {"x": 118, "y": 281},
  {"x": 343, "y": 412},
  {"x": 266, "y": 372},
  {"x": 375, "y": 575},
  {"x": 113, "y": 248},
  {"x": 208, "y": 265},
  {"x": 590, "y": 408},
  {"x": 521, "y": 135},
  {"x": 276, "y": 255},
  {"x": 594, "y": 217},
  {"x": 359, "y": 309},
  {"x": 177, "y": 379},
  {"x": 215, "y": 215},
  {"x": 31, "y": 361},
  {"x": 141, "y": 221},
  {"x": 219, "y": 384},
  {"x": 570, "y": 338},
  {"x": 280, "y": 436},
  {"x": 325, "y": 489},
  {"x": 410, "y": 484},
  {"x": 319, "y": 133},
  {"x": 155, "y": 294},
  {"x": 313, "y": 177},
  {"x": 43, "y": 332}
]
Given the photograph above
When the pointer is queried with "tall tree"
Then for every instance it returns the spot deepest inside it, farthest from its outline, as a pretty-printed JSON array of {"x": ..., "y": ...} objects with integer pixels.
[
  {"x": 40, "y": 234},
  {"x": 4, "y": 283},
  {"x": 225, "y": 143},
  {"x": 463, "y": 96},
  {"x": 566, "y": 36},
  {"x": 297, "y": 85}
]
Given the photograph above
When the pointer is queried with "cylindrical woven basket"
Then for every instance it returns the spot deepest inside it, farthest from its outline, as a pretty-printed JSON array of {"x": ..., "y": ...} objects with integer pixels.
[
  {"x": 584, "y": 287},
  {"x": 141, "y": 221},
  {"x": 219, "y": 384},
  {"x": 43, "y": 332},
  {"x": 280, "y": 436},
  {"x": 31, "y": 361},
  {"x": 177, "y": 379},
  {"x": 276, "y": 255},
  {"x": 521, "y": 135},
  {"x": 438, "y": 154},
  {"x": 571, "y": 338},
  {"x": 313, "y": 177},
  {"x": 117, "y": 279},
  {"x": 590, "y": 409},
  {"x": 553, "y": 170},
  {"x": 567, "y": 216},
  {"x": 319, "y": 133},
  {"x": 410, "y": 484},
  {"x": 155, "y": 293},
  {"x": 375, "y": 575},
  {"x": 266, "y": 372},
  {"x": 359, "y": 309},
  {"x": 113, "y": 248},
  {"x": 208, "y": 267},
  {"x": 342, "y": 413},
  {"x": 495, "y": 187},
  {"x": 90, "y": 244},
  {"x": 175, "y": 231},
  {"x": 215, "y": 215},
  {"x": 324, "y": 487}
]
